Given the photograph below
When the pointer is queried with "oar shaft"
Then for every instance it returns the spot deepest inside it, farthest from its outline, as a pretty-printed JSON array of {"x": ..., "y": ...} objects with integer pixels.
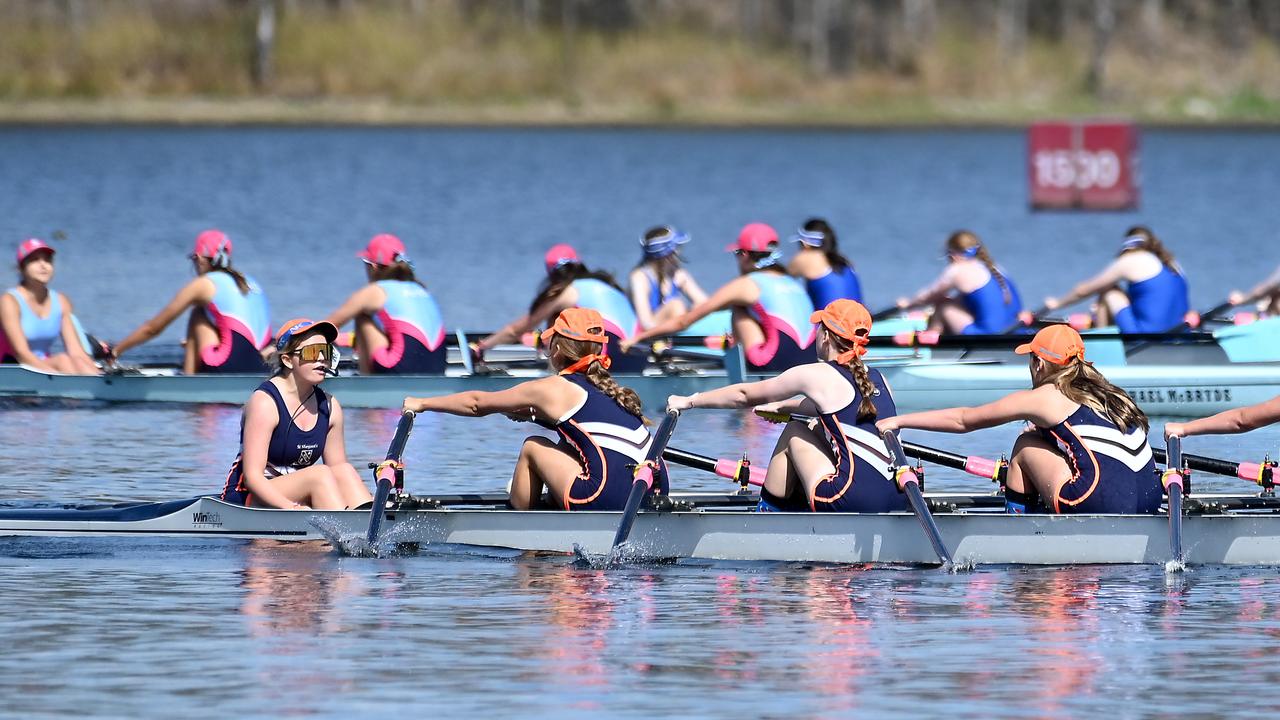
[
  {"x": 1172, "y": 479},
  {"x": 386, "y": 477},
  {"x": 910, "y": 484},
  {"x": 644, "y": 477}
]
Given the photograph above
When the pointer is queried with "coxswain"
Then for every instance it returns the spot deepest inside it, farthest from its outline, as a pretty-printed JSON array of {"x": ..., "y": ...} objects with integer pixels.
[
  {"x": 33, "y": 316},
  {"x": 661, "y": 286}
]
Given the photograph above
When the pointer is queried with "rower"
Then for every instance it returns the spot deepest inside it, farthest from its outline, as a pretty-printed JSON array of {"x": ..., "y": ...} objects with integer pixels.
[
  {"x": 837, "y": 462},
  {"x": 570, "y": 283},
  {"x": 229, "y": 326},
  {"x": 1088, "y": 452},
  {"x": 601, "y": 428},
  {"x": 827, "y": 274},
  {"x": 661, "y": 287},
  {"x": 973, "y": 295},
  {"x": 770, "y": 308},
  {"x": 33, "y": 316},
  {"x": 289, "y": 425},
  {"x": 1155, "y": 298},
  {"x": 399, "y": 329},
  {"x": 1265, "y": 293}
]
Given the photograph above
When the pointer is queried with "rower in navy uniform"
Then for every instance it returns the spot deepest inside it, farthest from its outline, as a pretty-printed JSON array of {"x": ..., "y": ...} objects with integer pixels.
[
  {"x": 289, "y": 426},
  {"x": 837, "y": 462},
  {"x": 1088, "y": 451},
  {"x": 601, "y": 428},
  {"x": 399, "y": 329}
]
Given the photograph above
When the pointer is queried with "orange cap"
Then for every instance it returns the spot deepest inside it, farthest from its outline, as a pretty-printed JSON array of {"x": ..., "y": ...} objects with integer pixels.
[
  {"x": 849, "y": 320},
  {"x": 1057, "y": 344},
  {"x": 578, "y": 323}
]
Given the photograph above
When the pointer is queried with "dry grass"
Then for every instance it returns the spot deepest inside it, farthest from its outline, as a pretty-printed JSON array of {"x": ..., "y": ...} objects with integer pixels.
[{"x": 440, "y": 65}]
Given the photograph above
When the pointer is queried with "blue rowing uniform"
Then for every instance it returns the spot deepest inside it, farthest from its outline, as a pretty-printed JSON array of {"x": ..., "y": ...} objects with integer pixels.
[
  {"x": 992, "y": 312},
  {"x": 411, "y": 320},
  {"x": 836, "y": 284},
  {"x": 1157, "y": 304},
  {"x": 620, "y": 321},
  {"x": 658, "y": 298},
  {"x": 291, "y": 448},
  {"x": 243, "y": 323},
  {"x": 783, "y": 311},
  {"x": 40, "y": 332},
  {"x": 608, "y": 442},
  {"x": 1112, "y": 471}
]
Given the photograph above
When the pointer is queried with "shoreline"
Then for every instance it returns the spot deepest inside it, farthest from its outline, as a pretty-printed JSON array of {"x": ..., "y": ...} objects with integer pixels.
[{"x": 280, "y": 112}]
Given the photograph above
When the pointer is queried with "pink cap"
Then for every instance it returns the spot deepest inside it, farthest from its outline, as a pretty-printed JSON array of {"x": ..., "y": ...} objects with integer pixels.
[
  {"x": 755, "y": 237},
  {"x": 384, "y": 249},
  {"x": 30, "y": 245},
  {"x": 211, "y": 243},
  {"x": 559, "y": 255}
]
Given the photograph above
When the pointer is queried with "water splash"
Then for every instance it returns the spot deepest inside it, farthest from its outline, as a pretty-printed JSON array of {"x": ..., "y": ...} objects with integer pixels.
[
  {"x": 356, "y": 544},
  {"x": 963, "y": 565},
  {"x": 1175, "y": 566}
]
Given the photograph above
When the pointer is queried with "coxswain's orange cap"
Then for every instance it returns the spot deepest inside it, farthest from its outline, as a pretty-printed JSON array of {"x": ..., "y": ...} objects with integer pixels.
[{"x": 1057, "y": 344}]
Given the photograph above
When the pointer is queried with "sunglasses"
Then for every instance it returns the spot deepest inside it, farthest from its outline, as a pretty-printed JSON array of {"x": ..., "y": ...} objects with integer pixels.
[{"x": 315, "y": 353}]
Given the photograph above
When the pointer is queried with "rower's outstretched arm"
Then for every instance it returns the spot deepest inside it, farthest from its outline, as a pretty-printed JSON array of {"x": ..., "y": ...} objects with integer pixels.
[
  {"x": 932, "y": 294},
  {"x": 1266, "y": 287},
  {"x": 521, "y": 325},
  {"x": 197, "y": 291},
  {"x": 1229, "y": 422},
  {"x": 1108, "y": 278},
  {"x": 735, "y": 292},
  {"x": 787, "y": 385},
  {"x": 1039, "y": 406},
  {"x": 365, "y": 301},
  {"x": 534, "y": 400}
]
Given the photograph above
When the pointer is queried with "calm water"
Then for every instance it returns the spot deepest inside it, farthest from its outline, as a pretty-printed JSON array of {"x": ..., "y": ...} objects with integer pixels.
[{"x": 157, "y": 629}]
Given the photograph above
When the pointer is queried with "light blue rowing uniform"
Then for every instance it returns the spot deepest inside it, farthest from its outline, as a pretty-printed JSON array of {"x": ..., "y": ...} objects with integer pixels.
[
  {"x": 1157, "y": 304},
  {"x": 992, "y": 312},
  {"x": 783, "y": 312},
  {"x": 835, "y": 285},
  {"x": 39, "y": 332},
  {"x": 243, "y": 322},
  {"x": 411, "y": 320},
  {"x": 620, "y": 320}
]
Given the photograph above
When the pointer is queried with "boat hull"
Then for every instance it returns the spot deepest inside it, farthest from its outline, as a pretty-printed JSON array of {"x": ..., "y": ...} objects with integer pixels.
[{"x": 982, "y": 537}]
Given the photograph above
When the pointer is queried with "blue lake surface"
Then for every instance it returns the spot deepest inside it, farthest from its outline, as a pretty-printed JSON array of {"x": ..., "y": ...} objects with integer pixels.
[{"x": 138, "y": 628}]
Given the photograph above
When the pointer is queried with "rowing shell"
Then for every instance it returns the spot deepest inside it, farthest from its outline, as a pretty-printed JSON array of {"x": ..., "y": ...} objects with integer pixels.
[{"x": 721, "y": 528}]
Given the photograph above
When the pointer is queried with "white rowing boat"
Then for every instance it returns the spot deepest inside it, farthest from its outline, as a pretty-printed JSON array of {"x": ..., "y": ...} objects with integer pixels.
[{"x": 1231, "y": 530}]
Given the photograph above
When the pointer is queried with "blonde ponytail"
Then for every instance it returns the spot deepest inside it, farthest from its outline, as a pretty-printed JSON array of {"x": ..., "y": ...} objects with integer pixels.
[
  {"x": 966, "y": 242},
  {"x": 1080, "y": 382}
]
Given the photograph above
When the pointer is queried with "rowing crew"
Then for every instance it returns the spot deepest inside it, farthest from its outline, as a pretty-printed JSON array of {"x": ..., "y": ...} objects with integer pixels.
[
  {"x": 399, "y": 327},
  {"x": 1086, "y": 450}
]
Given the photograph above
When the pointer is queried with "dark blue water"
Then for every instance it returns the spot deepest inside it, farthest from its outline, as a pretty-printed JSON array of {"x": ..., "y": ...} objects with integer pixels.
[{"x": 161, "y": 628}]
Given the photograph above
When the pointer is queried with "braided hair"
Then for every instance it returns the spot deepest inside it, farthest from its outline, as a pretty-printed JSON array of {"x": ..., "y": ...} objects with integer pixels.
[
  {"x": 573, "y": 350},
  {"x": 964, "y": 242},
  {"x": 861, "y": 376}
]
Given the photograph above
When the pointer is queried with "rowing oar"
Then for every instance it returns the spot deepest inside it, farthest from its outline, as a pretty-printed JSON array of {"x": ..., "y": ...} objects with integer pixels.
[
  {"x": 1025, "y": 319},
  {"x": 994, "y": 470},
  {"x": 643, "y": 478},
  {"x": 1261, "y": 474},
  {"x": 385, "y": 473},
  {"x": 1172, "y": 481},
  {"x": 739, "y": 471},
  {"x": 909, "y": 483}
]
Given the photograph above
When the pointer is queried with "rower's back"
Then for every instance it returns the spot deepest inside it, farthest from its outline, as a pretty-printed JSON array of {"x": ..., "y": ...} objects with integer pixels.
[
  {"x": 1112, "y": 468},
  {"x": 608, "y": 442},
  {"x": 862, "y": 481}
]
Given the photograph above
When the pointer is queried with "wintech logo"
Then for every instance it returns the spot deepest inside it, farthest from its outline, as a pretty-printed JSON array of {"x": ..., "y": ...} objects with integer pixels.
[{"x": 206, "y": 518}]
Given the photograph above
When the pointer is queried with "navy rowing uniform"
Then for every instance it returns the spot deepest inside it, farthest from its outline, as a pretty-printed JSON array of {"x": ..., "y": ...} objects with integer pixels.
[
  {"x": 609, "y": 443},
  {"x": 862, "y": 481},
  {"x": 291, "y": 448},
  {"x": 1112, "y": 471}
]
